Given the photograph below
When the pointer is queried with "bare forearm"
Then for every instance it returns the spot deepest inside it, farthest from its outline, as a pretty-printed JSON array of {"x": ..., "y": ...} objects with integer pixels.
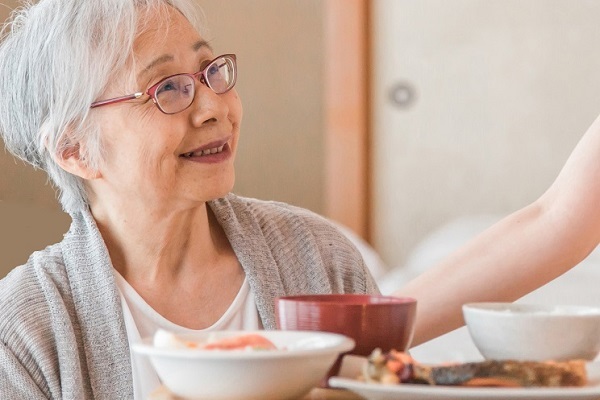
[
  {"x": 520, "y": 253},
  {"x": 515, "y": 256}
]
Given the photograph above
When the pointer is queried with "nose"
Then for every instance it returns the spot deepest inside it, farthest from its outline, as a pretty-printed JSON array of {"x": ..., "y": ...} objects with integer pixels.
[{"x": 207, "y": 105}]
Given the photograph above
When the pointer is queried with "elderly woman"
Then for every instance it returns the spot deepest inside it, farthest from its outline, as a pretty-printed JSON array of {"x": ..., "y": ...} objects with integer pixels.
[{"x": 136, "y": 120}]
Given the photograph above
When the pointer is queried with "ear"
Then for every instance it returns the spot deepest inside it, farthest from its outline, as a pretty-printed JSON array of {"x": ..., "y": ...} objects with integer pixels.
[{"x": 71, "y": 159}]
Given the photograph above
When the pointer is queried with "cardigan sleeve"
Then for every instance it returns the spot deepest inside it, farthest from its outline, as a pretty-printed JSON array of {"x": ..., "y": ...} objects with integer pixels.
[{"x": 15, "y": 381}]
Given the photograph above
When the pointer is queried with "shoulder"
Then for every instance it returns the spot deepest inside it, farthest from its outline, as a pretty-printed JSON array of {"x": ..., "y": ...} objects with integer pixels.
[
  {"x": 26, "y": 292},
  {"x": 31, "y": 307},
  {"x": 302, "y": 240},
  {"x": 282, "y": 220},
  {"x": 275, "y": 212}
]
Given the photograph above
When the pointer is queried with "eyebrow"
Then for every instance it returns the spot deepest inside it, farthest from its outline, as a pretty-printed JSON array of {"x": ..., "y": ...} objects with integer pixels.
[{"x": 169, "y": 57}]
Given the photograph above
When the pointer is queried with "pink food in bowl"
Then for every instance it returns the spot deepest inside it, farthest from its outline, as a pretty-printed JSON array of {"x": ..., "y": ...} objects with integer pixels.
[{"x": 252, "y": 341}]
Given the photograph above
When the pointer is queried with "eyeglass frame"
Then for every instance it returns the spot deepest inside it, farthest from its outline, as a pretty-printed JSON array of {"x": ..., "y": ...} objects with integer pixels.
[{"x": 151, "y": 91}]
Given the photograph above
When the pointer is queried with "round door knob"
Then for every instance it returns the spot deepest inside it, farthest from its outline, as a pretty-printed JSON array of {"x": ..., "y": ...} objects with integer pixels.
[{"x": 402, "y": 95}]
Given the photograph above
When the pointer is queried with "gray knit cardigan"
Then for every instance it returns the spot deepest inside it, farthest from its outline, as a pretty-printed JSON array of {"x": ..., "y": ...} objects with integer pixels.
[{"x": 62, "y": 334}]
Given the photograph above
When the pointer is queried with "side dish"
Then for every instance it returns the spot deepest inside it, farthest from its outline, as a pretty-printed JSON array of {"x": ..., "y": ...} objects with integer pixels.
[
  {"x": 250, "y": 341},
  {"x": 396, "y": 367}
]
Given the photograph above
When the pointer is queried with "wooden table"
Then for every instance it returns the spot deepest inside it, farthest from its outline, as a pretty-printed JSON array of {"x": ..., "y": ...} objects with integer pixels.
[
  {"x": 315, "y": 394},
  {"x": 331, "y": 394}
]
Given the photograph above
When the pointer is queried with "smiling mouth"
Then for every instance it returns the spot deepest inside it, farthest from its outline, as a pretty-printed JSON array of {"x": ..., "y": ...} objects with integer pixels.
[{"x": 205, "y": 152}]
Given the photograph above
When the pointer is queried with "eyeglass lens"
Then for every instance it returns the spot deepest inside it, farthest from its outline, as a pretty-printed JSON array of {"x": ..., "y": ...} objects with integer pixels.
[{"x": 176, "y": 93}]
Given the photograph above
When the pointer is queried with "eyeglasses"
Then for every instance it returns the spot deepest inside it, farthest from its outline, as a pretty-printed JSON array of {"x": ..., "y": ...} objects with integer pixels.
[{"x": 175, "y": 93}]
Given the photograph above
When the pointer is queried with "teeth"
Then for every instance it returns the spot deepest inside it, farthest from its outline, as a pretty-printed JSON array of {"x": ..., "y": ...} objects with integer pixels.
[{"x": 204, "y": 152}]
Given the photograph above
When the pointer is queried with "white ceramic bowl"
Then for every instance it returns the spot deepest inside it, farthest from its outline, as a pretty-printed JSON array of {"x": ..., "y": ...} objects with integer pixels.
[
  {"x": 516, "y": 331},
  {"x": 300, "y": 362}
]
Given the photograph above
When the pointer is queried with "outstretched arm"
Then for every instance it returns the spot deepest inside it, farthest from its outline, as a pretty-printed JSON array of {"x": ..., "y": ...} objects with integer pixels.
[{"x": 519, "y": 253}]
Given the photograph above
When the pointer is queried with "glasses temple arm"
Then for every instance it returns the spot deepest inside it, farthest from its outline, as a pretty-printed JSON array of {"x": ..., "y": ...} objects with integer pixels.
[{"x": 116, "y": 100}]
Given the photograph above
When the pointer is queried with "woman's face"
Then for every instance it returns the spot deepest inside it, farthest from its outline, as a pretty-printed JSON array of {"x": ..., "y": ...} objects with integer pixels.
[{"x": 158, "y": 160}]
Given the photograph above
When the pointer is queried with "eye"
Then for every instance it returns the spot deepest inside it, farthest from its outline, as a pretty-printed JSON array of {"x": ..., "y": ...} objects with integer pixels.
[
  {"x": 168, "y": 85},
  {"x": 213, "y": 69}
]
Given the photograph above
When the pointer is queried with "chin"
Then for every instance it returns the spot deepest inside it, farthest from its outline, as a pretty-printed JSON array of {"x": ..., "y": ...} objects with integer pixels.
[{"x": 222, "y": 191}]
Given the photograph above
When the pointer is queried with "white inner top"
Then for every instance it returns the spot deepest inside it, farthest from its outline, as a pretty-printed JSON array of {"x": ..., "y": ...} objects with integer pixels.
[{"x": 143, "y": 321}]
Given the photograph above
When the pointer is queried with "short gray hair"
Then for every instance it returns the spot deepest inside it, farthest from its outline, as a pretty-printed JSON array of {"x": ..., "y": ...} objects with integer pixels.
[{"x": 56, "y": 58}]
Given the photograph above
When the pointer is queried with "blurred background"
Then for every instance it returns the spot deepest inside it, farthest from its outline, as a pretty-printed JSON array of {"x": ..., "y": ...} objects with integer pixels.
[{"x": 399, "y": 119}]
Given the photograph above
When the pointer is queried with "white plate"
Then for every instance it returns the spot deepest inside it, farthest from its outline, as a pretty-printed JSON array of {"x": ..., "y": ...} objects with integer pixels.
[{"x": 375, "y": 391}]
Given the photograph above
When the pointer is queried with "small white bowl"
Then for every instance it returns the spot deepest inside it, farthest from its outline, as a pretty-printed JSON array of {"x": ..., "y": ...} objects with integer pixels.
[
  {"x": 529, "y": 332},
  {"x": 300, "y": 362}
]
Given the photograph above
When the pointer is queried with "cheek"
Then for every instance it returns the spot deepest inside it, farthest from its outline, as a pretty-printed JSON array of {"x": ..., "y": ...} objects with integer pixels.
[
  {"x": 156, "y": 159},
  {"x": 150, "y": 170},
  {"x": 236, "y": 111},
  {"x": 138, "y": 152}
]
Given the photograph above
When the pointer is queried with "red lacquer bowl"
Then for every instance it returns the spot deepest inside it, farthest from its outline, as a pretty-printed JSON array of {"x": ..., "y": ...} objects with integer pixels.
[{"x": 373, "y": 321}]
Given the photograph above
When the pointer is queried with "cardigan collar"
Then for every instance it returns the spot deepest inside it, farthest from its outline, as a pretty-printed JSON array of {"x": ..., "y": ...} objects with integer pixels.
[
  {"x": 253, "y": 252},
  {"x": 98, "y": 308}
]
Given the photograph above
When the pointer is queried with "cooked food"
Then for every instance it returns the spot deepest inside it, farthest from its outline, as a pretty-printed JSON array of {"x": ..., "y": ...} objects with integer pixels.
[
  {"x": 250, "y": 341},
  {"x": 396, "y": 367}
]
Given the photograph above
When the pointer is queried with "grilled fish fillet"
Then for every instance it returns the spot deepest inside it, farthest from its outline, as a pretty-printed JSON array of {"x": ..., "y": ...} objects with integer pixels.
[{"x": 397, "y": 367}]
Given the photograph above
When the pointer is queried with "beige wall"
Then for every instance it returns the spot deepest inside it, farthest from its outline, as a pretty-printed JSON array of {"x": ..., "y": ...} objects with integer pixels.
[
  {"x": 279, "y": 47},
  {"x": 30, "y": 217},
  {"x": 504, "y": 90}
]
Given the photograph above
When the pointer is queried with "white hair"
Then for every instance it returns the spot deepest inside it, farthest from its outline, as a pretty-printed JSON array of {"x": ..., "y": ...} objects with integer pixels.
[{"x": 56, "y": 58}]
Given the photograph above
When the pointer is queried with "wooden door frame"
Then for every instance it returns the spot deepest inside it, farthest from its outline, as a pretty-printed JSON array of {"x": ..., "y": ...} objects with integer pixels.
[{"x": 347, "y": 120}]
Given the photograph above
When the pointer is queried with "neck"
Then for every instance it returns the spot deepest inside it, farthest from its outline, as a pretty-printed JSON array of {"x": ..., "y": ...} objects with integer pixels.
[{"x": 154, "y": 245}]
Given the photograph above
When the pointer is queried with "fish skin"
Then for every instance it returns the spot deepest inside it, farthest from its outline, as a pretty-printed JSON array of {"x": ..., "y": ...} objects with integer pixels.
[
  {"x": 505, "y": 373},
  {"x": 500, "y": 373}
]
